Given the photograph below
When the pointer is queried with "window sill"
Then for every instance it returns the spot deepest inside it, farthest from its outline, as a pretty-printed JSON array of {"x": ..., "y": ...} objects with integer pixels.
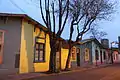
[{"x": 39, "y": 61}]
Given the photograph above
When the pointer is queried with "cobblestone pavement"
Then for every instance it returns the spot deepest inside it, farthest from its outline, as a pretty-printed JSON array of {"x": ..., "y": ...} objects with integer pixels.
[{"x": 105, "y": 73}]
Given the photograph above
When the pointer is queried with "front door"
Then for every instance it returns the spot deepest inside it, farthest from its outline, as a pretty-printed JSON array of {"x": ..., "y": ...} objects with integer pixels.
[{"x": 78, "y": 57}]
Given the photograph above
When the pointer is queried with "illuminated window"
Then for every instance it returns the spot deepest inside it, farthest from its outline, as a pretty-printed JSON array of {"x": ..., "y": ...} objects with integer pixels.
[
  {"x": 73, "y": 54},
  {"x": 78, "y": 50},
  {"x": 1, "y": 45},
  {"x": 87, "y": 54},
  {"x": 39, "y": 52}
]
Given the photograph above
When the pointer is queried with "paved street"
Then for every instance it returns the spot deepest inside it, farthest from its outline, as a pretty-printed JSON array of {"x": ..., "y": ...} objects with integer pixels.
[{"x": 106, "y": 73}]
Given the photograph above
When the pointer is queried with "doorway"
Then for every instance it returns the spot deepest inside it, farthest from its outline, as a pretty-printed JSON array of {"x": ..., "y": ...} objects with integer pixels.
[
  {"x": 78, "y": 56},
  {"x": 101, "y": 56}
]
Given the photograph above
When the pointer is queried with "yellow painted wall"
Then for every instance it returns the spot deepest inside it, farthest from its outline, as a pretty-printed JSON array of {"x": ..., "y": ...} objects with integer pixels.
[
  {"x": 64, "y": 55},
  {"x": 43, "y": 66},
  {"x": 26, "y": 51}
]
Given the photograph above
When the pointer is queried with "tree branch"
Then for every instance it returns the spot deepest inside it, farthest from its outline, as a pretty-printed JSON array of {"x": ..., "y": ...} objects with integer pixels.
[
  {"x": 85, "y": 29},
  {"x": 53, "y": 17},
  {"x": 65, "y": 19},
  {"x": 60, "y": 14},
  {"x": 42, "y": 13}
]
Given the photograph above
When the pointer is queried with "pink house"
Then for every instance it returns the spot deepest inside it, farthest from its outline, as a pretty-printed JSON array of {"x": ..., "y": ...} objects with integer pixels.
[{"x": 116, "y": 55}]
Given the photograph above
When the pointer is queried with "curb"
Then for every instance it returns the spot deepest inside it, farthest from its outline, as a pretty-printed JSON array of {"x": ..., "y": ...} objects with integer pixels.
[
  {"x": 53, "y": 74},
  {"x": 66, "y": 72}
]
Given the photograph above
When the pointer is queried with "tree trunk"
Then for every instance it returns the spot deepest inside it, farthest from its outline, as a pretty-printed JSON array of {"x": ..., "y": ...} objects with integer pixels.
[
  {"x": 55, "y": 46},
  {"x": 52, "y": 63},
  {"x": 70, "y": 46},
  {"x": 69, "y": 57}
]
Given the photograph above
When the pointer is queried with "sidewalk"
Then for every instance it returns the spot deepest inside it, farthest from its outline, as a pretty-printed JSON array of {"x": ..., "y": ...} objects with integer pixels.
[{"x": 33, "y": 75}]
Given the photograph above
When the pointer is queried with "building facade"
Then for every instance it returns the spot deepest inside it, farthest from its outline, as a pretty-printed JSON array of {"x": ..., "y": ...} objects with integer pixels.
[
  {"x": 25, "y": 45},
  {"x": 92, "y": 53}
]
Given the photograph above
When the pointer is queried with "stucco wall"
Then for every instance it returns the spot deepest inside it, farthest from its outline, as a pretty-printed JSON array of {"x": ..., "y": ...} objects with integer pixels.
[
  {"x": 64, "y": 55},
  {"x": 115, "y": 56},
  {"x": 43, "y": 66},
  {"x": 106, "y": 53},
  {"x": 12, "y": 28},
  {"x": 95, "y": 47},
  {"x": 82, "y": 54},
  {"x": 26, "y": 51}
]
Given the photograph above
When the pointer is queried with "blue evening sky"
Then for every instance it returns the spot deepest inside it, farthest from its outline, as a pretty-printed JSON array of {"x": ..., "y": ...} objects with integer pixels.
[{"x": 111, "y": 27}]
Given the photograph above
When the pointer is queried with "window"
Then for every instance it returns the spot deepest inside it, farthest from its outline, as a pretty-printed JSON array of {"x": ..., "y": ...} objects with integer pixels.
[
  {"x": 39, "y": 52},
  {"x": 1, "y": 45},
  {"x": 96, "y": 55},
  {"x": 73, "y": 54},
  {"x": 87, "y": 54},
  {"x": 78, "y": 50}
]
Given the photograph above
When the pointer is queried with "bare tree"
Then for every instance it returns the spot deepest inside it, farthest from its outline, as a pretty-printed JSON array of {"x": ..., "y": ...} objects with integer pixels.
[
  {"x": 82, "y": 14},
  {"x": 96, "y": 33},
  {"x": 54, "y": 11}
]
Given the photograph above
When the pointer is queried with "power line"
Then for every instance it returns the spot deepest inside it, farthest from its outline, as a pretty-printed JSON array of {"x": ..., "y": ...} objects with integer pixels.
[
  {"x": 31, "y": 3},
  {"x": 17, "y": 6}
]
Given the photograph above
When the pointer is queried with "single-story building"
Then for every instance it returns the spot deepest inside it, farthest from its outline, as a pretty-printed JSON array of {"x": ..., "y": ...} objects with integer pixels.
[
  {"x": 92, "y": 52},
  {"x": 115, "y": 54},
  {"x": 25, "y": 45}
]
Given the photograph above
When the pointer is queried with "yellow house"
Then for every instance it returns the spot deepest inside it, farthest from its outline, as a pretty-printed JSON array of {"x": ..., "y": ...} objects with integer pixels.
[
  {"x": 30, "y": 47},
  {"x": 35, "y": 49}
]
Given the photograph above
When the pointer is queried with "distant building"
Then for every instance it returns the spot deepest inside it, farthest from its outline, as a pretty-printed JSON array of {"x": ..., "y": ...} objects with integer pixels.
[
  {"x": 116, "y": 55},
  {"x": 92, "y": 52},
  {"x": 105, "y": 43}
]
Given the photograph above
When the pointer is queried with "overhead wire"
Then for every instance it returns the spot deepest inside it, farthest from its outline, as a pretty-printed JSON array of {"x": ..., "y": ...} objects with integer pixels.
[{"x": 17, "y": 6}]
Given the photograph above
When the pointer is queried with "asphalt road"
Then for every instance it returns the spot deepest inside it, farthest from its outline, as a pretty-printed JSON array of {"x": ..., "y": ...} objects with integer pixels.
[{"x": 106, "y": 73}]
